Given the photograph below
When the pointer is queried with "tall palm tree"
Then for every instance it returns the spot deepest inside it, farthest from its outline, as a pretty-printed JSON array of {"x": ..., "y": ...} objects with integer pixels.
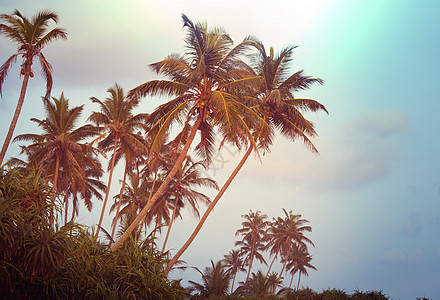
[
  {"x": 298, "y": 260},
  {"x": 61, "y": 150},
  {"x": 215, "y": 281},
  {"x": 273, "y": 100},
  {"x": 234, "y": 264},
  {"x": 254, "y": 238},
  {"x": 31, "y": 36},
  {"x": 118, "y": 129},
  {"x": 288, "y": 232},
  {"x": 206, "y": 83}
]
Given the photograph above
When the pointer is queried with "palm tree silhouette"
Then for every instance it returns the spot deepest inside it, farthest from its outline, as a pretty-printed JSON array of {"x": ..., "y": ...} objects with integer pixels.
[
  {"x": 60, "y": 151},
  {"x": 118, "y": 127},
  {"x": 31, "y": 36},
  {"x": 254, "y": 238}
]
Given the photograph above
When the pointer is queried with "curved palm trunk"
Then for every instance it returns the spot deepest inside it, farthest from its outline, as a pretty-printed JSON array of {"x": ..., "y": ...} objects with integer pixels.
[
  {"x": 207, "y": 212},
  {"x": 284, "y": 264},
  {"x": 161, "y": 189},
  {"x": 108, "y": 188},
  {"x": 270, "y": 267},
  {"x": 250, "y": 265},
  {"x": 291, "y": 281},
  {"x": 169, "y": 226},
  {"x": 233, "y": 281},
  {"x": 54, "y": 188},
  {"x": 66, "y": 207},
  {"x": 16, "y": 113},
  {"x": 120, "y": 200},
  {"x": 299, "y": 278}
]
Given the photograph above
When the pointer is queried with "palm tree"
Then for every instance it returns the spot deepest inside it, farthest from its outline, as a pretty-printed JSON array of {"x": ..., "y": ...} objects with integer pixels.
[
  {"x": 258, "y": 285},
  {"x": 254, "y": 238},
  {"x": 181, "y": 190},
  {"x": 206, "y": 83},
  {"x": 298, "y": 260},
  {"x": 118, "y": 126},
  {"x": 273, "y": 101},
  {"x": 215, "y": 281},
  {"x": 30, "y": 36},
  {"x": 234, "y": 264},
  {"x": 288, "y": 231},
  {"x": 59, "y": 151}
]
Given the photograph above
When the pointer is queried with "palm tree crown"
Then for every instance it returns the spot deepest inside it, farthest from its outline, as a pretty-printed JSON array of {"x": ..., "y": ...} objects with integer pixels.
[{"x": 30, "y": 36}]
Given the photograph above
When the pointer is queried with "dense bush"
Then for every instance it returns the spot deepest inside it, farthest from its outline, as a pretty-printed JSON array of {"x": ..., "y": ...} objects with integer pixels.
[{"x": 38, "y": 261}]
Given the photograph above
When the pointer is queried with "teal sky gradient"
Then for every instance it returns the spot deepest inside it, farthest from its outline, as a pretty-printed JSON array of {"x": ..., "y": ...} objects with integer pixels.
[{"x": 372, "y": 195}]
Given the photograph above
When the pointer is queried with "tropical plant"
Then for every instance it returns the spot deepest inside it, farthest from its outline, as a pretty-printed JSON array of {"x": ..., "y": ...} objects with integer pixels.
[
  {"x": 288, "y": 232},
  {"x": 30, "y": 36},
  {"x": 234, "y": 264},
  {"x": 38, "y": 261},
  {"x": 207, "y": 83},
  {"x": 215, "y": 281},
  {"x": 273, "y": 100},
  {"x": 118, "y": 130},
  {"x": 298, "y": 262},
  {"x": 60, "y": 152},
  {"x": 258, "y": 285},
  {"x": 181, "y": 190},
  {"x": 254, "y": 238}
]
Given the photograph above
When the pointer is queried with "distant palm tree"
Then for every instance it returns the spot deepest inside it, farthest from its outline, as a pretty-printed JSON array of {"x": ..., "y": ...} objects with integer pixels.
[
  {"x": 206, "y": 83},
  {"x": 298, "y": 260},
  {"x": 288, "y": 231},
  {"x": 119, "y": 126},
  {"x": 61, "y": 150},
  {"x": 181, "y": 190},
  {"x": 234, "y": 264},
  {"x": 258, "y": 285},
  {"x": 254, "y": 238},
  {"x": 215, "y": 281},
  {"x": 30, "y": 36}
]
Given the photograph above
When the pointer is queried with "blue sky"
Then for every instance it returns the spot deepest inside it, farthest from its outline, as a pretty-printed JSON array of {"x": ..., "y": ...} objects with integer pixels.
[{"x": 372, "y": 196}]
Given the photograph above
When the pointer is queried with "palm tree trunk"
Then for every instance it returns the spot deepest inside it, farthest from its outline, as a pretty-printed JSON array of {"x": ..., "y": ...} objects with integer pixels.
[
  {"x": 161, "y": 189},
  {"x": 233, "y": 281},
  {"x": 207, "y": 212},
  {"x": 17, "y": 111},
  {"x": 66, "y": 207},
  {"x": 169, "y": 226},
  {"x": 108, "y": 187},
  {"x": 299, "y": 278},
  {"x": 54, "y": 188},
  {"x": 291, "y": 281},
  {"x": 120, "y": 200},
  {"x": 270, "y": 267},
  {"x": 250, "y": 265}
]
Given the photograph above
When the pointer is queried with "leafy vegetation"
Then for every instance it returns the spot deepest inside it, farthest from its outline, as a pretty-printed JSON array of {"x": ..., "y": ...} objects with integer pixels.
[{"x": 218, "y": 91}]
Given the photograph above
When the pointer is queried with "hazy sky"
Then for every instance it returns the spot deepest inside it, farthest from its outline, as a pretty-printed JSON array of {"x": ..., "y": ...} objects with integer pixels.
[{"x": 372, "y": 196}]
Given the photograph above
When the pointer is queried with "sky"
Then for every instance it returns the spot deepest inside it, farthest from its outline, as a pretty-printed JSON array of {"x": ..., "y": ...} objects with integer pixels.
[{"x": 372, "y": 195}]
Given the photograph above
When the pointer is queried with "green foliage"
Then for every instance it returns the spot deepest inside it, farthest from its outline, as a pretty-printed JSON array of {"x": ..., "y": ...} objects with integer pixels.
[{"x": 38, "y": 261}]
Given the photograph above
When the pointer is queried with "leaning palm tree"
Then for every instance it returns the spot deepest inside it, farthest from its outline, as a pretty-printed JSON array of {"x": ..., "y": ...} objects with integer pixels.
[
  {"x": 206, "y": 84},
  {"x": 61, "y": 150},
  {"x": 118, "y": 129},
  {"x": 254, "y": 238},
  {"x": 234, "y": 264},
  {"x": 273, "y": 101},
  {"x": 30, "y": 36}
]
